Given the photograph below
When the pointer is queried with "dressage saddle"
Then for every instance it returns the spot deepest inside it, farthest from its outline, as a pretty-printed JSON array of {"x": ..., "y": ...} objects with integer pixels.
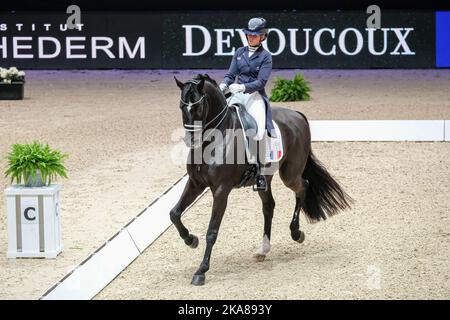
[{"x": 249, "y": 123}]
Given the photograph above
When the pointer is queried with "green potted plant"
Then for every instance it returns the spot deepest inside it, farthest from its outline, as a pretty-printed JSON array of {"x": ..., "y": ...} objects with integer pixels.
[
  {"x": 35, "y": 164},
  {"x": 11, "y": 84},
  {"x": 296, "y": 89}
]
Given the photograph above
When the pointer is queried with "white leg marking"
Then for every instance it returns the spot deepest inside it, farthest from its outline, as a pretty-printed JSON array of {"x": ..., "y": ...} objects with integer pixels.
[{"x": 265, "y": 246}]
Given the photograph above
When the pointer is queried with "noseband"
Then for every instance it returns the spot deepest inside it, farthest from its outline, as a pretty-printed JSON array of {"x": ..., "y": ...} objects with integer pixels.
[{"x": 194, "y": 126}]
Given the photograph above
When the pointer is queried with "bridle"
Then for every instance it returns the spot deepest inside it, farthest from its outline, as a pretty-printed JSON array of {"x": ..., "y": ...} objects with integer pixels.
[{"x": 201, "y": 127}]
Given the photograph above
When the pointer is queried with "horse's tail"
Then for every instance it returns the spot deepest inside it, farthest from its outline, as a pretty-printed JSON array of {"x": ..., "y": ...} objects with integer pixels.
[{"x": 324, "y": 196}]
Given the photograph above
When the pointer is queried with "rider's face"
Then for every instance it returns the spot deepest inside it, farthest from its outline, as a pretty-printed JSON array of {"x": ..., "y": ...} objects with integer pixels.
[{"x": 254, "y": 40}]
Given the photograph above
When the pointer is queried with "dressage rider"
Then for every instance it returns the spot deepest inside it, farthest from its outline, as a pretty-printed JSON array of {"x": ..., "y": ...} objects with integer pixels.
[{"x": 248, "y": 74}]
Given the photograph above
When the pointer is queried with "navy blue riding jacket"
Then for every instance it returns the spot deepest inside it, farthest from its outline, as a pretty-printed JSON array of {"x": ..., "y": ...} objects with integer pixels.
[{"x": 254, "y": 73}]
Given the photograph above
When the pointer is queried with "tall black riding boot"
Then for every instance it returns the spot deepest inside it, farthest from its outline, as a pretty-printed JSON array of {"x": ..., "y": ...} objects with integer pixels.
[{"x": 261, "y": 181}]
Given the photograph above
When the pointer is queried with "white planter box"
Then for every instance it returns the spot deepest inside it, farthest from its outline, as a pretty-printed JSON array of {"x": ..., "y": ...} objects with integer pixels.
[{"x": 34, "y": 222}]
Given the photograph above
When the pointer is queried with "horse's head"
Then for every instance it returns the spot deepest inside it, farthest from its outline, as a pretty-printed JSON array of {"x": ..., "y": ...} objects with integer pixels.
[{"x": 196, "y": 95}]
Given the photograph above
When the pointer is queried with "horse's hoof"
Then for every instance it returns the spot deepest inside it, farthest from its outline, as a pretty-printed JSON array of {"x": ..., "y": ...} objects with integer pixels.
[
  {"x": 194, "y": 243},
  {"x": 298, "y": 236},
  {"x": 259, "y": 257},
  {"x": 198, "y": 280}
]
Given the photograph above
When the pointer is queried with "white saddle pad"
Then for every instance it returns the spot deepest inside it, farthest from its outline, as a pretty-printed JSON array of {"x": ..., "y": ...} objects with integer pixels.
[{"x": 274, "y": 146}]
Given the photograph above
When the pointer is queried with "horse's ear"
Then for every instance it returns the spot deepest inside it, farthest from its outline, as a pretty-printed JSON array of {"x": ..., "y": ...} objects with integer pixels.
[
  {"x": 200, "y": 84},
  {"x": 179, "y": 83}
]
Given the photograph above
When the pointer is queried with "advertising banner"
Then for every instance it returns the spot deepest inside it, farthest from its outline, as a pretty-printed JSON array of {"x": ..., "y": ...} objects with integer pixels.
[{"x": 150, "y": 40}]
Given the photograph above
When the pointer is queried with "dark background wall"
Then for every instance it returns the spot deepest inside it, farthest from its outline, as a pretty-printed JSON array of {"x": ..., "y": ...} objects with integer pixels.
[{"x": 152, "y": 5}]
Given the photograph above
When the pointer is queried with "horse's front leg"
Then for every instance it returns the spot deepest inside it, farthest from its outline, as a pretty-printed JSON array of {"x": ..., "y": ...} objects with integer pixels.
[
  {"x": 219, "y": 204},
  {"x": 268, "y": 207},
  {"x": 190, "y": 193}
]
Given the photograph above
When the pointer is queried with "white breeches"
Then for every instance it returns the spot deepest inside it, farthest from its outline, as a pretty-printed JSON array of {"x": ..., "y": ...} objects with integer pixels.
[{"x": 254, "y": 103}]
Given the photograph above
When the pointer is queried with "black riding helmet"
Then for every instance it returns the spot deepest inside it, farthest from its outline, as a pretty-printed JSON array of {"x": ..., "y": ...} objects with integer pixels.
[{"x": 257, "y": 26}]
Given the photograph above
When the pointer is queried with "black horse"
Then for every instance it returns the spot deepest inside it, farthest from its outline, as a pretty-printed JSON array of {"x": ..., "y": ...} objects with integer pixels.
[{"x": 316, "y": 192}]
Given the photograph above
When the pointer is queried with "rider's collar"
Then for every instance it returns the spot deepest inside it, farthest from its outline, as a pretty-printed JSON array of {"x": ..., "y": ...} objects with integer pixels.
[{"x": 253, "y": 49}]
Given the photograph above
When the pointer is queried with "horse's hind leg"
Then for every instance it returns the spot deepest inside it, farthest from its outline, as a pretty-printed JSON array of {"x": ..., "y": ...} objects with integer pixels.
[
  {"x": 296, "y": 234},
  {"x": 295, "y": 182},
  {"x": 268, "y": 206}
]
